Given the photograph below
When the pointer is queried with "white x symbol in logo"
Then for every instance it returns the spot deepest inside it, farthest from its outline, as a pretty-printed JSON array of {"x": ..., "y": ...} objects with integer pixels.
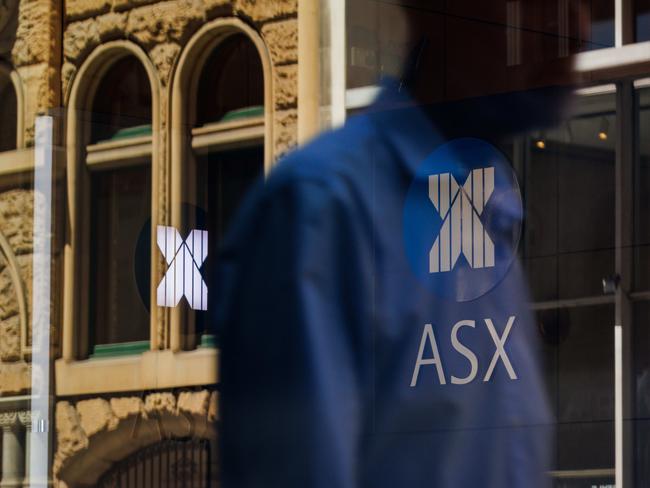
[
  {"x": 462, "y": 231},
  {"x": 183, "y": 277}
]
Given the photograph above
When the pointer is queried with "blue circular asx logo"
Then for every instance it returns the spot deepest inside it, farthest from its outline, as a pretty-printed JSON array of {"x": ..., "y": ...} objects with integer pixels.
[{"x": 462, "y": 219}]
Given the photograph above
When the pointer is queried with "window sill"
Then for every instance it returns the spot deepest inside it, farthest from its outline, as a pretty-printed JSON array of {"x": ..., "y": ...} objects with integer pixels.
[
  {"x": 150, "y": 370},
  {"x": 228, "y": 135},
  {"x": 16, "y": 161},
  {"x": 119, "y": 349},
  {"x": 120, "y": 152},
  {"x": 583, "y": 474},
  {"x": 208, "y": 341}
]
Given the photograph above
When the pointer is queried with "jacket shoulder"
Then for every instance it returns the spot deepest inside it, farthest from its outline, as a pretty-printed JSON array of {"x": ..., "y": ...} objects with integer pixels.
[{"x": 341, "y": 154}]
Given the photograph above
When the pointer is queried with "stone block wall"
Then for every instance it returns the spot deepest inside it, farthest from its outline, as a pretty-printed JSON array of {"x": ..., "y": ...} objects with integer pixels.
[
  {"x": 16, "y": 215},
  {"x": 30, "y": 33},
  {"x": 47, "y": 47},
  {"x": 29, "y": 42},
  {"x": 93, "y": 433},
  {"x": 162, "y": 29}
]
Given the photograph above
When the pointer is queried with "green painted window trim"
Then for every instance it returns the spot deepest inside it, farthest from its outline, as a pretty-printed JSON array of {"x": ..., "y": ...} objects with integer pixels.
[
  {"x": 208, "y": 341},
  {"x": 135, "y": 131},
  {"x": 119, "y": 349},
  {"x": 243, "y": 113}
]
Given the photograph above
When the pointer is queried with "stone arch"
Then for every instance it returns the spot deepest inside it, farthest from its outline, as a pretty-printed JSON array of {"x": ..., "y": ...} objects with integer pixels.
[
  {"x": 82, "y": 91},
  {"x": 186, "y": 76},
  {"x": 13, "y": 267},
  {"x": 94, "y": 434},
  {"x": 13, "y": 77}
]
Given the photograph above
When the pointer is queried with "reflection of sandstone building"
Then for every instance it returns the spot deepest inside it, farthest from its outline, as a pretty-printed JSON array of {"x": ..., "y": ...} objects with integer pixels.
[
  {"x": 28, "y": 85},
  {"x": 161, "y": 108}
]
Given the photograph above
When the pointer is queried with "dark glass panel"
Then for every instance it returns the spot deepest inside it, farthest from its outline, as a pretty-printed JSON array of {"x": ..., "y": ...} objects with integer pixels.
[
  {"x": 232, "y": 79},
  {"x": 122, "y": 101},
  {"x": 121, "y": 210},
  {"x": 641, "y": 423},
  {"x": 474, "y": 47},
  {"x": 569, "y": 193},
  {"x": 579, "y": 371},
  {"x": 642, "y": 196},
  {"x": 8, "y": 115},
  {"x": 642, "y": 17},
  {"x": 223, "y": 178}
]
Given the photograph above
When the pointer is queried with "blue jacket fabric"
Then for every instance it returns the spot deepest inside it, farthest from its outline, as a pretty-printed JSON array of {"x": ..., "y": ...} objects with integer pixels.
[{"x": 321, "y": 319}]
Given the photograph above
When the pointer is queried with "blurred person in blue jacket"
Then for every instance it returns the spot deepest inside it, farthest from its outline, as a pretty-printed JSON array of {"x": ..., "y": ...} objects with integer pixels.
[{"x": 372, "y": 313}]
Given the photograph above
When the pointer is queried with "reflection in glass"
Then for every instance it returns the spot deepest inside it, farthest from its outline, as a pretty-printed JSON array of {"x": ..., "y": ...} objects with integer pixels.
[
  {"x": 568, "y": 247},
  {"x": 223, "y": 178},
  {"x": 569, "y": 188},
  {"x": 120, "y": 211},
  {"x": 642, "y": 196},
  {"x": 579, "y": 371},
  {"x": 121, "y": 208},
  {"x": 600, "y": 21},
  {"x": 642, "y": 17},
  {"x": 122, "y": 105},
  {"x": 232, "y": 82},
  {"x": 8, "y": 115},
  {"x": 455, "y": 44},
  {"x": 641, "y": 423},
  {"x": 227, "y": 156}
]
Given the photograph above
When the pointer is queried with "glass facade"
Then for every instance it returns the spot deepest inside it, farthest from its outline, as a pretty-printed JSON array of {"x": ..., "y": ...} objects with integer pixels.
[
  {"x": 642, "y": 20},
  {"x": 499, "y": 36},
  {"x": 568, "y": 248},
  {"x": 135, "y": 137}
]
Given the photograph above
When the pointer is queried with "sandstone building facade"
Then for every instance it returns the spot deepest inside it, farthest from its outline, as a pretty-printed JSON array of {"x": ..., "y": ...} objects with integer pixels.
[{"x": 124, "y": 396}]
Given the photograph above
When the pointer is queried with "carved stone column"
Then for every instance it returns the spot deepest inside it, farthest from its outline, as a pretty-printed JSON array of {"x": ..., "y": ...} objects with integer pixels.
[
  {"x": 13, "y": 457},
  {"x": 25, "y": 418}
]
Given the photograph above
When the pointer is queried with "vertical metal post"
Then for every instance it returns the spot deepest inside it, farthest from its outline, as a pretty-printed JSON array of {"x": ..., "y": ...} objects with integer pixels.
[
  {"x": 39, "y": 455},
  {"x": 624, "y": 381}
]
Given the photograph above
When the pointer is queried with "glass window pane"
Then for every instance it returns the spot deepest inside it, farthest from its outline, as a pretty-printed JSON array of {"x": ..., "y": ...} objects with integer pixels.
[
  {"x": 579, "y": 370},
  {"x": 121, "y": 210},
  {"x": 642, "y": 18},
  {"x": 451, "y": 46},
  {"x": 381, "y": 36},
  {"x": 122, "y": 103},
  {"x": 231, "y": 81},
  {"x": 642, "y": 196},
  {"x": 641, "y": 423},
  {"x": 598, "y": 18},
  {"x": 223, "y": 178},
  {"x": 8, "y": 115},
  {"x": 569, "y": 192}
]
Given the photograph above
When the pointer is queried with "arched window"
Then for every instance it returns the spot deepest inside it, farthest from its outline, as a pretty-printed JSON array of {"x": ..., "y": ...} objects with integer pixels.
[
  {"x": 231, "y": 90},
  {"x": 231, "y": 93},
  {"x": 8, "y": 115},
  {"x": 122, "y": 103},
  {"x": 224, "y": 115},
  {"x": 118, "y": 160},
  {"x": 231, "y": 83}
]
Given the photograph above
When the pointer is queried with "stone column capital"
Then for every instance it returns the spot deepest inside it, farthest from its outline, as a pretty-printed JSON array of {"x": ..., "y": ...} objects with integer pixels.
[
  {"x": 25, "y": 418},
  {"x": 8, "y": 420}
]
